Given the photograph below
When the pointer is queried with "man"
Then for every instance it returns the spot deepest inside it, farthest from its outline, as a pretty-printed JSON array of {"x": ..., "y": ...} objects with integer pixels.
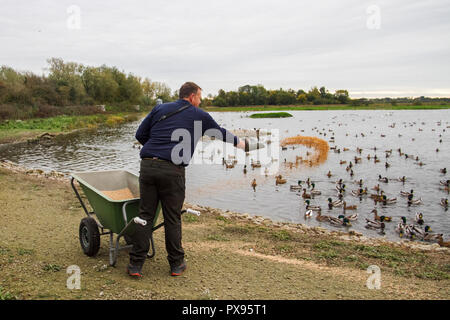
[{"x": 162, "y": 171}]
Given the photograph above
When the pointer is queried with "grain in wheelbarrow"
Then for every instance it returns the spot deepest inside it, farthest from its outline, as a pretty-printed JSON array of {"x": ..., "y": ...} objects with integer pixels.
[{"x": 118, "y": 195}]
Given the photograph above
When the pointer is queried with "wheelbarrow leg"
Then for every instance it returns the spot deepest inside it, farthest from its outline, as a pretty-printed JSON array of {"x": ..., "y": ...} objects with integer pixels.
[{"x": 113, "y": 250}]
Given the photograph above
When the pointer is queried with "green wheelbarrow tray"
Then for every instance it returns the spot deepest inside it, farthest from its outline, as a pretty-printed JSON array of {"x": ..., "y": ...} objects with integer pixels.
[{"x": 115, "y": 215}]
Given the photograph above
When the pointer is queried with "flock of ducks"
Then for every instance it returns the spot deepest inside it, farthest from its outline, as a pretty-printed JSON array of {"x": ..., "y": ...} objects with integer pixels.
[{"x": 415, "y": 229}]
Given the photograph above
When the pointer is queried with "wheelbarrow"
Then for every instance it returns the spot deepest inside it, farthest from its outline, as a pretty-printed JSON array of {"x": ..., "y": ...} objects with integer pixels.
[{"x": 110, "y": 216}]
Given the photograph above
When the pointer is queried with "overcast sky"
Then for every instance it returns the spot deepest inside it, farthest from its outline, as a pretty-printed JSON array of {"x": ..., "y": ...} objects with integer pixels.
[{"x": 372, "y": 48}]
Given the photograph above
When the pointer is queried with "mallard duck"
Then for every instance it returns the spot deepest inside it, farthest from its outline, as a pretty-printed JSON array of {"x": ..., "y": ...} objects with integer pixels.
[
  {"x": 411, "y": 201},
  {"x": 445, "y": 183},
  {"x": 329, "y": 175},
  {"x": 254, "y": 184},
  {"x": 256, "y": 164},
  {"x": 387, "y": 200},
  {"x": 375, "y": 225},
  {"x": 444, "y": 203},
  {"x": 444, "y": 171},
  {"x": 314, "y": 191},
  {"x": 406, "y": 193},
  {"x": 419, "y": 232},
  {"x": 402, "y": 179},
  {"x": 340, "y": 188},
  {"x": 359, "y": 192},
  {"x": 322, "y": 218},
  {"x": 306, "y": 195},
  {"x": 380, "y": 218},
  {"x": 336, "y": 203},
  {"x": 419, "y": 218},
  {"x": 342, "y": 162},
  {"x": 311, "y": 207},
  {"x": 279, "y": 180},
  {"x": 245, "y": 169},
  {"x": 229, "y": 165},
  {"x": 443, "y": 243},
  {"x": 376, "y": 188},
  {"x": 340, "y": 221},
  {"x": 400, "y": 228},
  {"x": 383, "y": 179},
  {"x": 353, "y": 207},
  {"x": 352, "y": 217},
  {"x": 308, "y": 213}
]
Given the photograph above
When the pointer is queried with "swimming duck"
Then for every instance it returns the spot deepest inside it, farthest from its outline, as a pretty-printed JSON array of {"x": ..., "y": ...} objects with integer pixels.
[
  {"x": 342, "y": 162},
  {"x": 419, "y": 218},
  {"x": 353, "y": 207},
  {"x": 314, "y": 191},
  {"x": 279, "y": 180},
  {"x": 306, "y": 195},
  {"x": 359, "y": 192},
  {"x": 245, "y": 169},
  {"x": 321, "y": 218},
  {"x": 375, "y": 225},
  {"x": 340, "y": 221},
  {"x": 352, "y": 217},
  {"x": 428, "y": 236},
  {"x": 387, "y": 200},
  {"x": 419, "y": 232},
  {"x": 380, "y": 218},
  {"x": 340, "y": 188},
  {"x": 406, "y": 193},
  {"x": 336, "y": 203},
  {"x": 308, "y": 213},
  {"x": 376, "y": 188},
  {"x": 444, "y": 203},
  {"x": 443, "y": 243},
  {"x": 383, "y": 179},
  {"x": 445, "y": 183},
  {"x": 329, "y": 174},
  {"x": 254, "y": 184},
  {"x": 444, "y": 171},
  {"x": 402, "y": 179},
  {"x": 400, "y": 228},
  {"x": 311, "y": 207},
  {"x": 411, "y": 201},
  {"x": 298, "y": 186},
  {"x": 229, "y": 165}
]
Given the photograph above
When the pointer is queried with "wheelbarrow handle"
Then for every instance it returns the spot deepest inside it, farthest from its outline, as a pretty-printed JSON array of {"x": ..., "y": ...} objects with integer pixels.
[{"x": 79, "y": 197}]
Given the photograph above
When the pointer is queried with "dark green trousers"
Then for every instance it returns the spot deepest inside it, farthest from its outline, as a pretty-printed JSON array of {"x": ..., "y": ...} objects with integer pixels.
[{"x": 160, "y": 181}]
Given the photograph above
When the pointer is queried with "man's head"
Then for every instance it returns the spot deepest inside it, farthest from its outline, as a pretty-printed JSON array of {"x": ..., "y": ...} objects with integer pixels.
[{"x": 192, "y": 93}]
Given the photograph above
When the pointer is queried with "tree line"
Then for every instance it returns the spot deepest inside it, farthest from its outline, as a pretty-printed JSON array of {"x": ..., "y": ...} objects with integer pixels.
[{"x": 74, "y": 84}]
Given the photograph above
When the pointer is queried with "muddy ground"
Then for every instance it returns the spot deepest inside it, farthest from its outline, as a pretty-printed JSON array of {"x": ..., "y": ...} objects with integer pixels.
[{"x": 229, "y": 256}]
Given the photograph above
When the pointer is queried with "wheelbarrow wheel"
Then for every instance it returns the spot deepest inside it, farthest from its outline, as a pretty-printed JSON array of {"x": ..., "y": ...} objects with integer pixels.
[{"x": 89, "y": 236}]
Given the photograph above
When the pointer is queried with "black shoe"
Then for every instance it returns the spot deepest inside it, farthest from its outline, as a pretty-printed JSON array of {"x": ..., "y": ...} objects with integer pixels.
[
  {"x": 178, "y": 270},
  {"x": 134, "y": 271}
]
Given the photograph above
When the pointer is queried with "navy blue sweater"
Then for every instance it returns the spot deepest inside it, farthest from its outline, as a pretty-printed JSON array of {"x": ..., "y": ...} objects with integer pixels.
[{"x": 174, "y": 139}]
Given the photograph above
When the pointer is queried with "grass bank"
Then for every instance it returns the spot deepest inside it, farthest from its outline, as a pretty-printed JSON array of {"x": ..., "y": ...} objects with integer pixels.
[
  {"x": 19, "y": 130},
  {"x": 271, "y": 115},
  {"x": 228, "y": 257},
  {"x": 327, "y": 107}
]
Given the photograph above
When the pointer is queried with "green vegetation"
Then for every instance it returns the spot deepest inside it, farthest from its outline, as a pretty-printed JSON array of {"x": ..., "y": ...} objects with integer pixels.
[
  {"x": 271, "y": 115},
  {"x": 74, "y": 89},
  {"x": 5, "y": 295}
]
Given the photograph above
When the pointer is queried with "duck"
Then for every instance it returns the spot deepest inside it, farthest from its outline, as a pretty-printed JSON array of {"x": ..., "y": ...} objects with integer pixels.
[
  {"x": 314, "y": 191},
  {"x": 245, "y": 169},
  {"x": 444, "y": 203},
  {"x": 322, "y": 218},
  {"x": 329, "y": 175},
  {"x": 380, "y": 218},
  {"x": 340, "y": 221},
  {"x": 411, "y": 201},
  {"x": 387, "y": 200},
  {"x": 298, "y": 186},
  {"x": 308, "y": 213},
  {"x": 443, "y": 243},
  {"x": 359, "y": 192},
  {"x": 311, "y": 207},
  {"x": 375, "y": 225},
  {"x": 305, "y": 195},
  {"x": 229, "y": 165},
  {"x": 353, "y": 207},
  {"x": 336, "y": 203},
  {"x": 400, "y": 228},
  {"x": 402, "y": 179},
  {"x": 254, "y": 184},
  {"x": 406, "y": 193},
  {"x": 352, "y": 217},
  {"x": 279, "y": 180},
  {"x": 256, "y": 164},
  {"x": 419, "y": 218},
  {"x": 445, "y": 183},
  {"x": 383, "y": 179},
  {"x": 340, "y": 188},
  {"x": 419, "y": 232},
  {"x": 444, "y": 171},
  {"x": 342, "y": 162}
]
